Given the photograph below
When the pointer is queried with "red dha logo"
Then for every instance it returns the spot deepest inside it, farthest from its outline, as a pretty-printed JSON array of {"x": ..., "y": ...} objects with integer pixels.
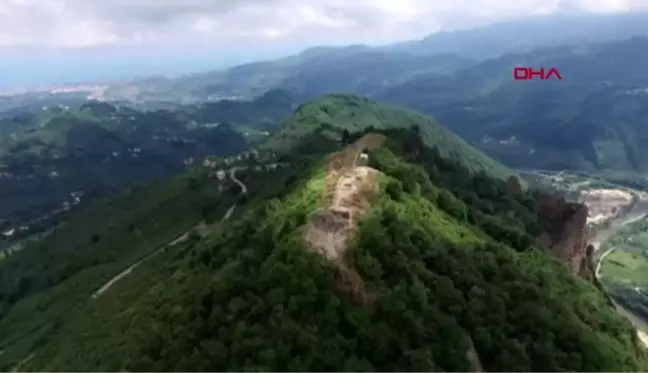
[{"x": 528, "y": 73}]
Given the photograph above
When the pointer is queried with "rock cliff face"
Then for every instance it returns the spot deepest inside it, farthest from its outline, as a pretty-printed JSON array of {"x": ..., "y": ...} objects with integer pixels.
[{"x": 565, "y": 234}]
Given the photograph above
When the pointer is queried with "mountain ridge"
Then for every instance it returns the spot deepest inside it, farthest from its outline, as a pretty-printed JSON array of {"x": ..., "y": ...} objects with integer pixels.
[
  {"x": 463, "y": 46},
  {"x": 373, "y": 248},
  {"x": 252, "y": 295}
]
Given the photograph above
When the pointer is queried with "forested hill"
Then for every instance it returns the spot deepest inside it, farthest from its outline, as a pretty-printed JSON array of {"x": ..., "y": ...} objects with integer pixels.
[
  {"x": 332, "y": 114},
  {"x": 80, "y": 153},
  {"x": 397, "y": 260}
]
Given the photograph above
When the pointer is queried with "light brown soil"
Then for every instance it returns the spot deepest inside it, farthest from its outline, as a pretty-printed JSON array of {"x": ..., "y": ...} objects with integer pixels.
[
  {"x": 346, "y": 199},
  {"x": 349, "y": 193},
  {"x": 606, "y": 204}
]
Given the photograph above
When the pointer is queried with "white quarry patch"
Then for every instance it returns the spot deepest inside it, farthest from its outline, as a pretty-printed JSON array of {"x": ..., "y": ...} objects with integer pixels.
[{"x": 605, "y": 204}]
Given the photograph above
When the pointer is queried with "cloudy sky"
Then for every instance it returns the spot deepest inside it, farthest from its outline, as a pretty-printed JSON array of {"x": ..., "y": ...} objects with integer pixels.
[{"x": 58, "y": 39}]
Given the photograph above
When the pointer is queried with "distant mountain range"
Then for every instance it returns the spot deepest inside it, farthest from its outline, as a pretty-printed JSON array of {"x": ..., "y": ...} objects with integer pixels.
[
  {"x": 365, "y": 69},
  {"x": 527, "y": 34},
  {"x": 590, "y": 120},
  {"x": 594, "y": 119}
]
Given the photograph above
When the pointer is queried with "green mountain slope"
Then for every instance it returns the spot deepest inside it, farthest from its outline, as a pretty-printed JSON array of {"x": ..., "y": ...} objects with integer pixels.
[
  {"x": 334, "y": 113},
  {"x": 100, "y": 148},
  {"x": 437, "y": 272},
  {"x": 45, "y": 280},
  {"x": 593, "y": 119}
]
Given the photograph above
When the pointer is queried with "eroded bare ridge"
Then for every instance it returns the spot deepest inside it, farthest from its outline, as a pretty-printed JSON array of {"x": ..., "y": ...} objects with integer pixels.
[{"x": 349, "y": 193}]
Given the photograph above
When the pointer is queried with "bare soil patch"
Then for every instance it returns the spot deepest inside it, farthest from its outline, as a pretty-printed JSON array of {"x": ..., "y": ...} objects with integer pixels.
[
  {"x": 349, "y": 193},
  {"x": 606, "y": 204}
]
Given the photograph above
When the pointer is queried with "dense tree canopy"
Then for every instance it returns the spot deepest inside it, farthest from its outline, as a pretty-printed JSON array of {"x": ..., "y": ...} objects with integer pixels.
[{"x": 443, "y": 252}]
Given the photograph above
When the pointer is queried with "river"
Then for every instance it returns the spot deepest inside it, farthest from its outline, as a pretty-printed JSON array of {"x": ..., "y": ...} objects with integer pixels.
[{"x": 638, "y": 211}]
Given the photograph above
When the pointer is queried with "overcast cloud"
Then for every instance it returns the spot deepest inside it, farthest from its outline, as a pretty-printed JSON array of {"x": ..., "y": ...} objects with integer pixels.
[{"x": 90, "y": 23}]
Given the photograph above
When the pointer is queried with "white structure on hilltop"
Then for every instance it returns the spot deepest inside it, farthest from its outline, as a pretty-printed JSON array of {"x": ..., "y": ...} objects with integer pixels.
[{"x": 220, "y": 174}]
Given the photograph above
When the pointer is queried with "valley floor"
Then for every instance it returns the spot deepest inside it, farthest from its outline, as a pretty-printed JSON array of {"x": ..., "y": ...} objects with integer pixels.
[
  {"x": 638, "y": 322},
  {"x": 612, "y": 209}
]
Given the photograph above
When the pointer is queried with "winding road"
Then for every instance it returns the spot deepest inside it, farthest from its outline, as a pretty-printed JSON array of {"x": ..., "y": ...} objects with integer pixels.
[
  {"x": 22, "y": 363},
  {"x": 182, "y": 238},
  {"x": 244, "y": 189},
  {"x": 600, "y": 261},
  {"x": 598, "y": 241},
  {"x": 237, "y": 181},
  {"x": 604, "y": 236}
]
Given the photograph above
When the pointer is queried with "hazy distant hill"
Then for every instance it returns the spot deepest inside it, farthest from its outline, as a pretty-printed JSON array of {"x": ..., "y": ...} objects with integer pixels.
[
  {"x": 584, "y": 121},
  {"x": 312, "y": 73},
  {"x": 595, "y": 118},
  {"x": 530, "y": 33},
  {"x": 366, "y": 70}
]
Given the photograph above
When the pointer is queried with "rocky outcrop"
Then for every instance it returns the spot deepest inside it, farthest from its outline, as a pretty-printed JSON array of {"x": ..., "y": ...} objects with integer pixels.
[
  {"x": 565, "y": 234},
  {"x": 588, "y": 266}
]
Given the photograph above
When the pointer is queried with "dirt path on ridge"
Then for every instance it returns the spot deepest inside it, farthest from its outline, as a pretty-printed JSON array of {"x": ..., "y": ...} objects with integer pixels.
[{"x": 349, "y": 193}]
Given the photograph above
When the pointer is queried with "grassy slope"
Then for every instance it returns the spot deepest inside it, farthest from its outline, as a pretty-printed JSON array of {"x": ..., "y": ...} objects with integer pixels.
[
  {"x": 628, "y": 263},
  {"x": 356, "y": 114},
  {"x": 253, "y": 297},
  {"x": 46, "y": 281},
  {"x": 624, "y": 272}
]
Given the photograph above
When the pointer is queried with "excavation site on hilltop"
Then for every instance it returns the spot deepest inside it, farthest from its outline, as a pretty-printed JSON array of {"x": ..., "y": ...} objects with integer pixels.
[{"x": 351, "y": 187}]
